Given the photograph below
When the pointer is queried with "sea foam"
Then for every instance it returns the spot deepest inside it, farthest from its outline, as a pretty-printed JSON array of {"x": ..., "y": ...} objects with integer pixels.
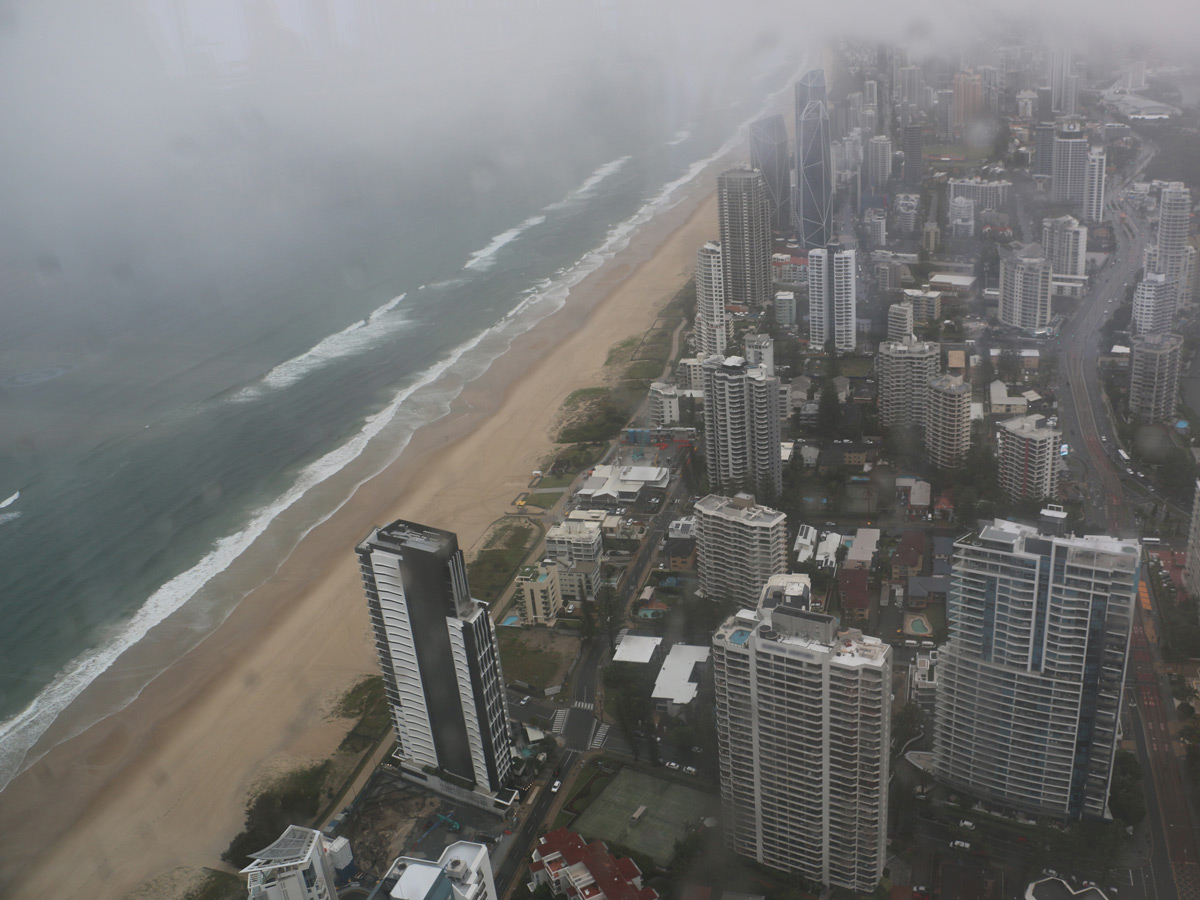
[
  {"x": 352, "y": 340},
  {"x": 19, "y": 733},
  {"x": 483, "y": 259}
]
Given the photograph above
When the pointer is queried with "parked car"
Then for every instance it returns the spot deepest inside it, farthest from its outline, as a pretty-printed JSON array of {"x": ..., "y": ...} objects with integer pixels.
[
  {"x": 960, "y": 845},
  {"x": 672, "y": 765},
  {"x": 690, "y": 770}
]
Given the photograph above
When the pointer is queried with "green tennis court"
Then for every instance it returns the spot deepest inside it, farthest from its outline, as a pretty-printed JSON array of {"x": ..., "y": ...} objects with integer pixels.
[{"x": 670, "y": 808}]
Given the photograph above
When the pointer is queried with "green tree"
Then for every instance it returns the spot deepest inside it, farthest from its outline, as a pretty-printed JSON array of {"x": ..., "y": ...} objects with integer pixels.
[
  {"x": 829, "y": 413},
  {"x": 609, "y": 615}
]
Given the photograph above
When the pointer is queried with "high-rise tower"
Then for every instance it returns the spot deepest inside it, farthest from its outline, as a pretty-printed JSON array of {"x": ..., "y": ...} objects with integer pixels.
[
  {"x": 1030, "y": 683},
  {"x": 1154, "y": 376},
  {"x": 1093, "y": 186},
  {"x": 1171, "y": 254},
  {"x": 441, "y": 668},
  {"x": 879, "y": 162},
  {"x": 803, "y": 713},
  {"x": 813, "y": 194},
  {"x": 1154, "y": 304},
  {"x": 832, "y": 298},
  {"x": 744, "y": 209},
  {"x": 948, "y": 421},
  {"x": 1025, "y": 279},
  {"x": 712, "y": 322},
  {"x": 914, "y": 162},
  {"x": 1070, "y": 167},
  {"x": 769, "y": 154},
  {"x": 742, "y": 427}
]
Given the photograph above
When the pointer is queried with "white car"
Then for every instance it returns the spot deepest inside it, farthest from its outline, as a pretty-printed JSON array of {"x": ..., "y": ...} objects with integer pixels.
[
  {"x": 554, "y": 787},
  {"x": 960, "y": 845},
  {"x": 672, "y": 765}
]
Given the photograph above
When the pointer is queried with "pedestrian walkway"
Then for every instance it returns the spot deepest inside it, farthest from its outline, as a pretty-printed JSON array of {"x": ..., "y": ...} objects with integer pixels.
[
  {"x": 560, "y": 721},
  {"x": 582, "y": 704},
  {"x": 599, "y": 737}
]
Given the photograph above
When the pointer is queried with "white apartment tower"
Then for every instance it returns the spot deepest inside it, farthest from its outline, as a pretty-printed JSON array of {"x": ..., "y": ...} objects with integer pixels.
[
  {"x": 948, "y": 421},
  {"x": 742, "y": 419},
  {"x": 1025, "y": 280},
  {"x": 903, "y": 370},
  {"x": 441, "y": 668},
  {"x": 664, "y": 404},
  {"x": 712, "y": 321},
  {"x": 1154, "y": 304},
  {"x": 832, "y": 298},
  {"x": 900, "y": 322},
  {"x": 803, "y": 715},
  {"x": 1028, "y": 458},
  {"x": 739, "y": 545},
  {"x": 1154, "y": 376},
  {"x": 962, "y": 217},
  {"x": 1070, "y": 161},
  {"x": 760, "y": 352},
  {"x": 1064, "y": 242},
  {"x": 879, "y": 162},
  {"x": 1093, "y": 187},
  {"x": 1030, "y": 683},
  {"x": 1172, "y": 255},
  {"x": 744, "y": 212}
]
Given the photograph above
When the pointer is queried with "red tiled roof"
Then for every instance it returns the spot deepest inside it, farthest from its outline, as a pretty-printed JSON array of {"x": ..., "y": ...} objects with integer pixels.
[
  {"x": 852, "y": 586},
  {"x": 909, "y": 550},
  {"x": 613, "y": 876}
]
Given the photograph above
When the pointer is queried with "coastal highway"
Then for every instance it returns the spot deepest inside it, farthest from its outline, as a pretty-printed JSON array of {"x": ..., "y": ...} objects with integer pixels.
[{"x": 1173, "y": 854}]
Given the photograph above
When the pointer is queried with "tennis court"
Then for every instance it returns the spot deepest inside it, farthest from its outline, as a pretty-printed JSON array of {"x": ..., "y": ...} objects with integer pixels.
[{"x": 670, "y": 808}]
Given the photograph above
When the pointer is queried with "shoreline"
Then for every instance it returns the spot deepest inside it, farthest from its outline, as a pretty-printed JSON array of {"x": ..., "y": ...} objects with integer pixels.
[{"x": 163, "y": 782}]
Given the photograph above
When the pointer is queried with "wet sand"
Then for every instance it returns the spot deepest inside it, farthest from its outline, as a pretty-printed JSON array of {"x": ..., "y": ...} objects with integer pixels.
[{"x": 164, "y": 782}]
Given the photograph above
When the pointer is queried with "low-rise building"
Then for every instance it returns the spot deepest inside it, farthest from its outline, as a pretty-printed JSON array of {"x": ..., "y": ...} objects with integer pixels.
[
  {"x": 805, "y": 546},
  {"x": 612, "y": 485},
  {"x": 679, "y": 679},
  {"x": 298, "y": 866},
  {"x": 909, "y": 556},
  {"x": 462, "y": 872},
  {"x": 862, "y": 549},
  {"x": 538, "y": 596},
  {"x": 575, "y": 869},
  {"x": 854, "y": 593},
  {"x": 1002, "y": 403},
  {"x": 639, "y": 649}
]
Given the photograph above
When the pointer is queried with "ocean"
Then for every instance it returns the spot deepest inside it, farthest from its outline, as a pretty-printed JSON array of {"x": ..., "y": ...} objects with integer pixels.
[{"x": 178, "y": 413}]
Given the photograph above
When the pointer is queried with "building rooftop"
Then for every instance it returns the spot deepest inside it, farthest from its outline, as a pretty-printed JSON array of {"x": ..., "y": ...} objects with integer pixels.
[
  {"x": 636, "y": 648},
  {"x": 854, "y": 589},
  {"x": 676, "y": 680},
  {"x": 741, "y": 507},
  {"x": 291, "y": 848},
  {"x": 1033, "y": 427}
]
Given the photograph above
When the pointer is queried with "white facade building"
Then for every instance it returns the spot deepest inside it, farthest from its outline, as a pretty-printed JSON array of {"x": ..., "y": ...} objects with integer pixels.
[
  {"x": 1154, "y": 376},
  {"x": 962, "y": 217},
  {"x": 900, "y": 323},
  {"x": 663, "y": 406},
  {"x": 879, "y": 162},
  {"x": 1030, "y": 683},
  {"x": 1154, "y": 302},
  {"x": 803, "y": 736},
  {"x": 1094, "y": 185},
  {"x": 832, "y": 298},
  {"x": 739, "y": 546},
  {"x": 712, "y": 321},
  {"x": 462, "y": 872},
  {"x": 1025, "y": 286},
  {"x": 1064, "y": 242},
  {"x": 441, "y": 668},
  {"x": 298, "y": 866},
  {"x": 903, "y": 371},
  {"x": 985, "y": 194},
  {"x": 742, "y": 421}
]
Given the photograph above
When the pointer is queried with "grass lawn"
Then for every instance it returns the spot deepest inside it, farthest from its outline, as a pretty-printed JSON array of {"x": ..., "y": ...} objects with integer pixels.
[
  {"x": 645, "y": 368},
  {"x": 557, "y": 481},
  {"x": 590, "y": 784},
  {"x": 543, "y": 499},
  {"x": 531, "y": 655},
  {"x": 936, "y": 614},
  {"x": 857, "y": 367},
  {"x": 670, "y": 808},
  {"x": 504, "y": 549}
]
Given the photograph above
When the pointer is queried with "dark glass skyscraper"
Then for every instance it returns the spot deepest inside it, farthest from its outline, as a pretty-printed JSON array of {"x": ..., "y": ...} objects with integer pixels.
[
  {"x": 441, "y": 667},
  {"x": 914, "y": 162},
  {"x": 813, "y": 196},
  {"x": 769, "y": 154}
]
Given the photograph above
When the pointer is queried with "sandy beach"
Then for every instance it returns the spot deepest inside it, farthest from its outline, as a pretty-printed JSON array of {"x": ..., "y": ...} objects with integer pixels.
[{"x": 164, "y": 783}]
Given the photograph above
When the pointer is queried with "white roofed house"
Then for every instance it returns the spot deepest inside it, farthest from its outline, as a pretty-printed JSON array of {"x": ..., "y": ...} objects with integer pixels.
[
  {"x": 678, "y": 680},
  {"x": 298, "y": 866}
]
